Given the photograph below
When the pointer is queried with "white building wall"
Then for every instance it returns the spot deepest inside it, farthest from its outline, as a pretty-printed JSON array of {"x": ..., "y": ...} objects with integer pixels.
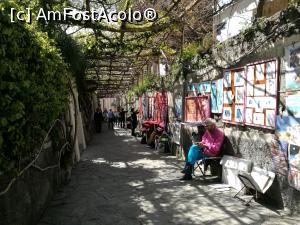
[{"x": 236, "y": 18}]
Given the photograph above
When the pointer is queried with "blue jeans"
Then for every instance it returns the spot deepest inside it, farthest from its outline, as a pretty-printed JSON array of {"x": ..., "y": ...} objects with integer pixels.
[{"x": 195, "y": 153}]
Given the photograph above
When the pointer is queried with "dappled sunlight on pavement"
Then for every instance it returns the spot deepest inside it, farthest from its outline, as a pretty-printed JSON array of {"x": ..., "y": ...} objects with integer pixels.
[{"x": 121, "y": 182}]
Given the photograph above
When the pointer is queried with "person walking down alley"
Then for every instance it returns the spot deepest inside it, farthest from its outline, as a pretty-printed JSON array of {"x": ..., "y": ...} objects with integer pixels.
[
  {"x": 209, "y": 146},
  {"x": 110, "y": 117},
  {"x": 123, "y": 118},
  {"x": 98, "y": 118},
  {"x": 133, "y": 121},
  {"x": 116, "y": 118}
]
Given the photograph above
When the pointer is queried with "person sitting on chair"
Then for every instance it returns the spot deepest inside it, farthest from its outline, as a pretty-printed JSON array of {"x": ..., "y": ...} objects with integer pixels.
[{"x": 210, "y": 146}]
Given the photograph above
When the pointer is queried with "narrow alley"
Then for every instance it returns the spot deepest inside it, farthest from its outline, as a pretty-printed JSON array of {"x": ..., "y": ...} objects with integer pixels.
[{"x": 121, "y": 182}]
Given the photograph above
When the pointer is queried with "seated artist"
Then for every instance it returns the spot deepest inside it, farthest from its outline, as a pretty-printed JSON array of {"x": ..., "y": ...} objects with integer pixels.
[{"x": 210, "y": 146}]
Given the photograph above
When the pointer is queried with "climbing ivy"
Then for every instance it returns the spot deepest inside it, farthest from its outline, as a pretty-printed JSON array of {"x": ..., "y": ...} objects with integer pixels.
[{"x": 33, "y": 88}]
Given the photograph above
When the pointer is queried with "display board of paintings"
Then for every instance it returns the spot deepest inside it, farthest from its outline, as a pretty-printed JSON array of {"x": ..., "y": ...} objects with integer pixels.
[
  {"x": 292, "y": 76},
  {"x": 233, "y": 96},
  {"x": 288, "y": 133},
  {"x": 197, "y": 109},
  {"x": 261, "y": 94},
  {"x": 217, "y": 96}
]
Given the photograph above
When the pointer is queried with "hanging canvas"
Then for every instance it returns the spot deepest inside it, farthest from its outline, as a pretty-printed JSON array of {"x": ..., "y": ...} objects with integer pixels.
[
  {"x": 239, "y": 95},
  {"x": 204, "y": 87},
  {"x": 250, "y": 74},
  {"x": 271, "y": 70},
  {"x": 239, "y": 78},
  {"x": 271, "y": 87},
  {"x": 227, "y": 79},
  {"x": 228, "y": 97},
  {"x": 227, "y": 113},
  {"x": 292, "y": 76},
  {"x": 293, "y": 105},
  {"x": 270, "y": 118},
  {"x": 217, "y": 96},
  {"x": 249, "y": 115},
  {"x": 250, "y": 88},
  {"x": 197, "y": 109},
  {"x": 260, "y": 75},
  {"x": 294, "y": 164},
  {"x": 239, "y": 113},
  {"x": 259, "y": 118}
]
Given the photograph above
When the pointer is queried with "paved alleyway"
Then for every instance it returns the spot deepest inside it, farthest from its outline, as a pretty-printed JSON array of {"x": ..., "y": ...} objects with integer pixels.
[{"x": 121, "y": 182}]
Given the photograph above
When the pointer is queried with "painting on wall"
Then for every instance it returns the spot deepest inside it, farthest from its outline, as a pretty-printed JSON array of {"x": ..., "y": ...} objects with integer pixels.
[
  {"x": 239, "y": 114},
  {"x": 271, "y": 70},
  {"x": 239, "y": 78},
  {"x": 204, "y": 87},
  {"x": 239, "y": 95},
  {"x": 293, "y": 67},
  {"x": 197, "y": 109},
  {"x": 250, "y": 73},
  {"x": 260, "y": 74},
  {"x": 250, "y": 89},
  {"x": 227, "y": 113},
  {"x": 227, "y": 79},
  {"x": 271, "y": 87},
  {"x": 294, "y": 165},
  {"x": 249, "y": 115},
  {"x": 259, "y": 119},
  {"x": 217, "y": 96},
  {"x": 292, "y": 105},
  {"x": 228, "y": 97},
  {"x": 270, "y": 118}
]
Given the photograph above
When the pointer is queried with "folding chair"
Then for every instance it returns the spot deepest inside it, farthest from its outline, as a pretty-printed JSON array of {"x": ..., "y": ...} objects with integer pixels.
[
  {"x": 203, "y": 164},
  {"x": 246, "y": 183}
]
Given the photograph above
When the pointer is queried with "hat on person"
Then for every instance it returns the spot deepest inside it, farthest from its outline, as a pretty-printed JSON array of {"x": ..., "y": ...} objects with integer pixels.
[{"x": 209, "y": 121}]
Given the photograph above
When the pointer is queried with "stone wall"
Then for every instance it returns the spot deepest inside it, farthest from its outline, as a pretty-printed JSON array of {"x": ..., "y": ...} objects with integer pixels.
[{"x": 30, "y": 194}]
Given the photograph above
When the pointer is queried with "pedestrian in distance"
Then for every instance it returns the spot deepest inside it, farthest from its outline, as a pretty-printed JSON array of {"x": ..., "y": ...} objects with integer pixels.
[
  {"x": 110, "y": 117},
  {"x": 133, "y": 121},
  {"x": 98, "y": 118}
]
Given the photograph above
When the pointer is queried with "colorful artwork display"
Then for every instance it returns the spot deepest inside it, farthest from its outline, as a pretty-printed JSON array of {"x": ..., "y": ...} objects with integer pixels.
[
  {"x": 288, "y": 133},
  {"x": 217, "y": 96},
  {"x": 293, "y": 67},
  {"x": 293, "y": 105},
  {"x": 197, "y": 109},
  {"x": 234, "y": 96},
  {"x": 261, "y": 94}
]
